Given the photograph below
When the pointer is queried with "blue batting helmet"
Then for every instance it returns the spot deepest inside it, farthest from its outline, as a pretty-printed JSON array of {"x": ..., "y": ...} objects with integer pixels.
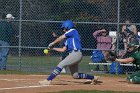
[{"x": 68, "y": 24}]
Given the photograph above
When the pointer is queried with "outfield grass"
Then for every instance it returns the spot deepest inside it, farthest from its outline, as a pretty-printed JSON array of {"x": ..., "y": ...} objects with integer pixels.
[
  {"x": 47, "y": 62},
  {"x": 42, "y": 60}
]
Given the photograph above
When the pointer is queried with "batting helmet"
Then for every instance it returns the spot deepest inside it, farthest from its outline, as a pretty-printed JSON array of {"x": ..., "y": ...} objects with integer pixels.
[{"x": 68, "y": 24}]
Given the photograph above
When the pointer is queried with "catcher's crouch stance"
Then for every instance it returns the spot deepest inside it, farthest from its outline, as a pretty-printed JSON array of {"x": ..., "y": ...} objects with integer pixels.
[
  {"x": 134, "y": 56},
  {"x": 73, "y": 46}
]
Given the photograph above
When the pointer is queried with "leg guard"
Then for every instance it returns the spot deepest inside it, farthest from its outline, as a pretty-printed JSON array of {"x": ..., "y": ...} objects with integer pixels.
[
  {"x": 82, "y": 76},
  {"x": 54, "y": 73}
]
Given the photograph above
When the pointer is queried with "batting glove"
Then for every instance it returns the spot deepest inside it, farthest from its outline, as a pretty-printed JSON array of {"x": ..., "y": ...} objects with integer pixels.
[{"x": 50, "y": 46}]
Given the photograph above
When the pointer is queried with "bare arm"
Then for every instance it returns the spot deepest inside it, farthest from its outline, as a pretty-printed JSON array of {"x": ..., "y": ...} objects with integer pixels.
[
  {"x": 97, "y": 32},
  {"x": 60, "y": 49},
  {"x": 126, "y": 60},
  {"x": 134, "y": 29},
  {"x": 123, "y": 28},
  {"x": 58, "y": 39}
]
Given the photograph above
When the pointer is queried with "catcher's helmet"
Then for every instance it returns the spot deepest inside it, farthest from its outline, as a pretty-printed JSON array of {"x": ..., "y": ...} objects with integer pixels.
[
  {"x": 133, "y": 47},
  {"x": 132, "y": 44},
  {"x": 68, "y": 24}
]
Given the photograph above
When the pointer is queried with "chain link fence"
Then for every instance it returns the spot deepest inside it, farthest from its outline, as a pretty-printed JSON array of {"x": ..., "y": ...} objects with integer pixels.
[{"x": 36, "y": 21}]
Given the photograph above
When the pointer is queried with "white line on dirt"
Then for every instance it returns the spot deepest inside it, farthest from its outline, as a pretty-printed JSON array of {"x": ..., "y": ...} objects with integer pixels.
[
  {"x": 24, "y": 87},
  {"x": 11, "y": 88},
  {"x": 17, "y": 79}
]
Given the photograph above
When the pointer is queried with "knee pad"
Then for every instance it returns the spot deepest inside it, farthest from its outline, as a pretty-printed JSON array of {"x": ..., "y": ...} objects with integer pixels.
[{"x": 76, "y": 75}]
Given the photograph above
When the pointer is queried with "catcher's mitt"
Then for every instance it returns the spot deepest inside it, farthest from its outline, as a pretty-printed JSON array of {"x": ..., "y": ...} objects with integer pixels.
[{"x": 112, "y": 56}]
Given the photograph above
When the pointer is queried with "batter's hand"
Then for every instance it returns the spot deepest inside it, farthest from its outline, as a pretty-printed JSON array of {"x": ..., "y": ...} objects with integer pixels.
[{"x": 50, "y": 46}]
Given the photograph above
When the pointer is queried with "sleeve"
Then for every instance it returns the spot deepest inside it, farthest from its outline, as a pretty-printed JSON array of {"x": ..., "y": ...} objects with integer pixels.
[
  {"x": 133, "y": 55},
  {"x": 69, "y": 33}
]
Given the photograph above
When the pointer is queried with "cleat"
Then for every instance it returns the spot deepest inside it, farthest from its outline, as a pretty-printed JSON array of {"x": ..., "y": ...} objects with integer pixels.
[
  {"x": 45, "y": 82},
  {"x": 94, "y": 81},
  {"x": 63, "y": 70},
  {"x": 131, "y": 81}
]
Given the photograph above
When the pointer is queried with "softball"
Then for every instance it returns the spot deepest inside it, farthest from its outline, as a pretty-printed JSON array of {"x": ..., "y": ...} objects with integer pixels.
[{"x": 46, "y": 51}]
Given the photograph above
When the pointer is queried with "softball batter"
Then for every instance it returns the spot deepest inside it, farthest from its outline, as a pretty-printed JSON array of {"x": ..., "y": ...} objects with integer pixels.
[{"x": 73, "y": 46}]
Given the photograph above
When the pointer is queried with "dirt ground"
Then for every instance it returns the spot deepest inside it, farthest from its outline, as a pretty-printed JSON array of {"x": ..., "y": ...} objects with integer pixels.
[{"x": 29, "y": 84}]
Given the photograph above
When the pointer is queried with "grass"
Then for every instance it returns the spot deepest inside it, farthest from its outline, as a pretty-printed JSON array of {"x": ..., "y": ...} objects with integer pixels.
[
  {"x": 20, "y": 72},
  {"x": 47, "y": 61},
  {"x": 42, "y": 60}
]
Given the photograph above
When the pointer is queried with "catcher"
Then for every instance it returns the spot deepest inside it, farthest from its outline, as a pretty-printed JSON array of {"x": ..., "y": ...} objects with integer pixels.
[{"x": 134, "y": 57}]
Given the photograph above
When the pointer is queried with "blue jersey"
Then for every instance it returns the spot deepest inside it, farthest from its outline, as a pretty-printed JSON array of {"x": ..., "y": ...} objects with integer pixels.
[{"x": 73, "y": 41}]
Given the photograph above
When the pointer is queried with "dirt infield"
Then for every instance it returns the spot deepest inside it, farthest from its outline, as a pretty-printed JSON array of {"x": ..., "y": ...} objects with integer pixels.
[{"x": 29, "y": 84}]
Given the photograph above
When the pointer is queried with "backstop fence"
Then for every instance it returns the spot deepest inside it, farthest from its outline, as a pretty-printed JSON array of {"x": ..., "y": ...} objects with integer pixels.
[{"x": 37, "y": 23}]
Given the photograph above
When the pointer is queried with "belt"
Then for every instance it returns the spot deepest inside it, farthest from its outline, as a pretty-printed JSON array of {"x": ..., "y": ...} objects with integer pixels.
[{"x": 74, "y": 51}]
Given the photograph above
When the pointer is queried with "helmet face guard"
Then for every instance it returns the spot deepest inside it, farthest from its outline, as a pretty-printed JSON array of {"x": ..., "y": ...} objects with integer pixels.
[
  {"x": 130, "y": 45},
  {"x": 68, "y": 24}
]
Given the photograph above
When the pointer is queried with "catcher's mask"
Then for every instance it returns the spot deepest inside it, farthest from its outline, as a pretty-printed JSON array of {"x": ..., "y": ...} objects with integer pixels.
[{"x": 130, "y": 45}]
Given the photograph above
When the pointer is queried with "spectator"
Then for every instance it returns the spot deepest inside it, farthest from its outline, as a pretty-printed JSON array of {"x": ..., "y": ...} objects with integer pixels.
[
  {"x": 129, "y": 28},
  {"x": 127, "y": 35},
  {"x": 6, "y": 32},
  {"x": 134, "y": 57},
  {"x": 130, "y": 31},
  {"x": 122, "y": 44},
  {"x": 9, "y": 17},
  {"x": 103, "y": 43}
]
